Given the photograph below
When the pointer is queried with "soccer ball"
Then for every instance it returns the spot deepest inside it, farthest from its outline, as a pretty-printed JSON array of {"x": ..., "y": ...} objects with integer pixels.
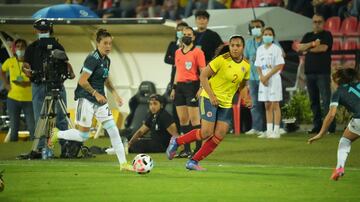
[{"x": 142, "y": 163}]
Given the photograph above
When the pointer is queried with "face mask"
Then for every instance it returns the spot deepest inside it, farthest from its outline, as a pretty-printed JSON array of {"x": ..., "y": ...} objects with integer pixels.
[
  {"x": 20, "y": 53},
  {"x": 187, "y": 40},
  {"x": 268, "y": 39},
  {"x": 256, "y": 32},
  {"x": 179, "y": 34},
  {"x": 43, "y": 35}
]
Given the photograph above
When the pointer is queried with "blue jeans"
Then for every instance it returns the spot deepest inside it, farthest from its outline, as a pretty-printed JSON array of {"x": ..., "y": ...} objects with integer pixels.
[
  {"x": 258, "y": 108},
  {"x": 318, "y": 86},
  {"x": 38, "y": 94},
  {"x": 14, "y": 108}
]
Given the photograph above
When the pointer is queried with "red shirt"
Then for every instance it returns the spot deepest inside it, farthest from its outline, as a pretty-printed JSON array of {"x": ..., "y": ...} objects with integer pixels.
[{"x": 188, "y": 64}]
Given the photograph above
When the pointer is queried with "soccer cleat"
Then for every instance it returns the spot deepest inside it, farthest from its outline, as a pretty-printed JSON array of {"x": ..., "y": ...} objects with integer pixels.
[
  {"x": 194, "y": 165},
  {"x": 252, "y": 132},
  {"x": 126, "y": 167},
  {"x": 171, "y": 150},
  {"x": 337, "y": 173},
  {"x": 54, "y": 137}
]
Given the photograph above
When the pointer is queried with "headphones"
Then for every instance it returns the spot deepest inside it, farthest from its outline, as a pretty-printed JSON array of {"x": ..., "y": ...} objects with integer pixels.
[{"x": 252, "y": 21}]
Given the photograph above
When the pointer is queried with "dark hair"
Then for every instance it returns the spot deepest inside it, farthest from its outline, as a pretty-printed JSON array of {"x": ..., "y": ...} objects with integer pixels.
[
  {"x": 102, "y": 33},
  {"x": 190, "y": 28},
  {"x": 270, "y": 29},
  {"x": 184, "y": 24},
  {"x": 320, "y": 15},
  {"x": 237, "y": 37},
  {"x": 20, "y": 41},
  {"x": 258, "y": 21},
  {"x": 345, "y": 76},
  {"x": 202, "y": 13},
  {"x": 158, "y": 98}
]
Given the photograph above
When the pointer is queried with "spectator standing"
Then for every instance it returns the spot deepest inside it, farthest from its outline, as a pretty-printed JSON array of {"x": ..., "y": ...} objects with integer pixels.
[
  {"x": 316, "y": 46},
  {"x": 269, "y": 61},
  {"x": 206, "y": 39},
  {"x": 19, "y": 87}
]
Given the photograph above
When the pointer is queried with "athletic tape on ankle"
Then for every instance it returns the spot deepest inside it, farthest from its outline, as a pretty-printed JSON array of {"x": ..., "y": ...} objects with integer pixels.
[{"x": 109, "y": 124}]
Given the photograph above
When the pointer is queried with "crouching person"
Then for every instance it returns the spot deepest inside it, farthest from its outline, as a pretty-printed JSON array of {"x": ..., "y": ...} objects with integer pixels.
[{"x": 162, "y": 127}]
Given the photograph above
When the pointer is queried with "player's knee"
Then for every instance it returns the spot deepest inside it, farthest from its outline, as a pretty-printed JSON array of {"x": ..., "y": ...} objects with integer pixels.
[
  {"x": 109, "y": 124},
  {"x": 205, "y": 133}
]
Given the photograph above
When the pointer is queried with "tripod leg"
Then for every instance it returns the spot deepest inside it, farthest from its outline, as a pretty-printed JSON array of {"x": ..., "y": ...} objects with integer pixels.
[{"x": 64, "y": 111}]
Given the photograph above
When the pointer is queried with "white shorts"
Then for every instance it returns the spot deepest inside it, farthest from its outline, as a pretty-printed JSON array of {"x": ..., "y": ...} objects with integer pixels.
[
  {"x": 272, "y": 92},
  {"x": 354, "y": 126},
  {"x": 85, "y": 111}
]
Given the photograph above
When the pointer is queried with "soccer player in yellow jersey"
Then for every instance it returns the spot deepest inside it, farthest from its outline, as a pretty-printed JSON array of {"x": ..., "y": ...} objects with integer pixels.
[{"x": 220, "y": 80}]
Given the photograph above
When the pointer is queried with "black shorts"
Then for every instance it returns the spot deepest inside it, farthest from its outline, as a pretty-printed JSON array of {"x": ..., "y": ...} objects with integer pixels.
[{"x": 185, "y": 94}]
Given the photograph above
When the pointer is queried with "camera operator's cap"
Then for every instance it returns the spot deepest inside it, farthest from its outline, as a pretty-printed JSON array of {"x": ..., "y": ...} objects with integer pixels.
[{"x": 43, "y": 25}]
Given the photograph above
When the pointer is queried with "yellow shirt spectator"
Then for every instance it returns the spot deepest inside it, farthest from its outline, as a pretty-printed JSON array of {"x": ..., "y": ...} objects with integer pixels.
[
  {"x": 17, "y": 92},
  {"x": 226, "y": 70}
]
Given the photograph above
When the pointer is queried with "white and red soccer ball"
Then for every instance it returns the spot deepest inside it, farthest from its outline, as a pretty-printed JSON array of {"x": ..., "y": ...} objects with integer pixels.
[{"x": 142, "y": 163}]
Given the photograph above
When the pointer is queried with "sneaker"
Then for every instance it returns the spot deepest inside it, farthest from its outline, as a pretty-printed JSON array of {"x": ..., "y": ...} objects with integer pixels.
[
  {"x": 262, "y": 135},
  {"x": 282, "y": 131},
  {"x": 171, "y": 150},
  {"x": 274, "y": 136},
  {"x": 252, "y": 132},
  {"x": 337, "y": 173},
  {"x": 126, "y": 167},
  {"x": 54, "y": 137},
  {"x": 194, "y": 165}
]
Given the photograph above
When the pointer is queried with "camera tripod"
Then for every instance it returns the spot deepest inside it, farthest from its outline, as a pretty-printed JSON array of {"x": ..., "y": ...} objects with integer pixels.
[{"x": 47, "y": 119}]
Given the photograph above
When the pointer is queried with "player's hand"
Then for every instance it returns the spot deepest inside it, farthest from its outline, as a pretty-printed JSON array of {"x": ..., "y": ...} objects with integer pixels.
[
  {"x": 317, "y": 42},
  {"x": 198, "y": 93},
  {"x": 315, "y": 138},
  {"x": 27, "y": 72},
  {"x": 172, "y": 94},
  {"x": 119, "y": 100},
  {"x": 100, "y": 98},
  {"x": 264, "y": 80},
  {"x": 213, "y": 100}
]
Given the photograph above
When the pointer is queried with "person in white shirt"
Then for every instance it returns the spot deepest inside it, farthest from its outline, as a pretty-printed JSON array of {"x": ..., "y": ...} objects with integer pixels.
[{"x": 269, "y": 62}]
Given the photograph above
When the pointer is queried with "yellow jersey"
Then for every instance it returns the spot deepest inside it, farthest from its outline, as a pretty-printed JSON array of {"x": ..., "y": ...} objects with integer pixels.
[
  {"x": 18, "y": 93},
  {"x": 228, "y": 75}
]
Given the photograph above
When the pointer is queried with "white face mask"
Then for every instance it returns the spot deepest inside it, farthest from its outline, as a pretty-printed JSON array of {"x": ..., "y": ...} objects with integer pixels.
[
  {"x": 20, "y": 53},
  {"x": 43, "y": 35},
  {"x": 256, "y": 32}
]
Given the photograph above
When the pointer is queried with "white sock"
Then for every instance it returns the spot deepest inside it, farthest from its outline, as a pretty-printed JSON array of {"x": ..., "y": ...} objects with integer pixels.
[
  {"x": 276, "y": 129},
  {"x": 269, "y": 128},
  {"x": 117, "y": 144},
  {"x": 343, "y": 151},
  {"x": 71, "y": 134}
]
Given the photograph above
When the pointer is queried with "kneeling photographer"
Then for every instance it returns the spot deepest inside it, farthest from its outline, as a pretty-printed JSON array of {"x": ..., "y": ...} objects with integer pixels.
[
  {"x": 162, "y": 127},
  {"x": 46, "y": 64}
]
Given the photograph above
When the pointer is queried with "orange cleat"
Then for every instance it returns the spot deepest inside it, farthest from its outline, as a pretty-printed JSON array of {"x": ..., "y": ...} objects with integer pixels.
[{"x": 337, "y": 173}]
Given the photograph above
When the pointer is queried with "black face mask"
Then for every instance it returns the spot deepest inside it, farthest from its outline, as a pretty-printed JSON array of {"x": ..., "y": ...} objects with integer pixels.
[{"x": 187, "y": 40}]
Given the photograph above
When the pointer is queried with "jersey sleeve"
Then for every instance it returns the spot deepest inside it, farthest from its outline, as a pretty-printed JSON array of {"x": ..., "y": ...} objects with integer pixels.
[
  {"x": 305, "y": 38},
  {"x": 6, "y": 66},
  {"x": 215, "y": 64},
  {"x": 335, "y": 97},
  {"x": 327, "y": 40},
  {"x": 165, "y": 119},
  {"x": 90, "y": 64},
  {"x": 201, "y": 59},
  {"x": 279, "y": 59}
]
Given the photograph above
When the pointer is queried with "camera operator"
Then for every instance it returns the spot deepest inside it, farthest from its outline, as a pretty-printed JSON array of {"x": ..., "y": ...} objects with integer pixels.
[{"x": 35, "y": 59}]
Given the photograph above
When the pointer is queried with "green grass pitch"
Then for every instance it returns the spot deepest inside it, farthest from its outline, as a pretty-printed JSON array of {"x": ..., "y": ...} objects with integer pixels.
[{"x": 242, "y": 168}]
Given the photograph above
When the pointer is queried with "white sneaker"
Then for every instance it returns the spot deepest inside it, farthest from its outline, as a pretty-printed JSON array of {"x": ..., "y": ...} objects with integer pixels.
[
  {"x": 282, "y": 131},
  {"x": 274, "y": 136},
  {"x": 252, "y": 132},
  {"x": 262, "y": 135}
]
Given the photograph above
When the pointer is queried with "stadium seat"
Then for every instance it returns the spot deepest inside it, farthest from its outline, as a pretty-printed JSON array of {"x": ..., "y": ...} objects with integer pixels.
[
  {"x": 240, "y": 4},
  {"x": 349, "y": 27},
  {"x": 332, "y": 25},
  {"x": 255, "y": 3},
  {"x": 336, "y": 46},
  {"x": 349, "y": 44}
]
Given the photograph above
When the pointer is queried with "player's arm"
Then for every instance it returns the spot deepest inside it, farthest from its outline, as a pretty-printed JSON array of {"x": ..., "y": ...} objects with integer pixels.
[
  {"x": 26, "y": 68},
  {"x": 310, "y": 45},
  {"x": 3, "y": 77},
  {"x": 109, "y": 85},
  {"x": 326, "y": 123},
  {"x": 204, "y": 81},
  {"x": 84, "y": 83},
  {"x": 172, "y": 129},
  {"x": 320, "y": 48},
  {"x": 274, "y": 71},
  {"x": 138, "y": 134}
]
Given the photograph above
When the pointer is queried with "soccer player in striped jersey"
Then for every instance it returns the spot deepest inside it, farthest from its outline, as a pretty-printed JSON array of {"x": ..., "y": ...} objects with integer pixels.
[
  {"x": 91, "y": 100},
  {"x": 220, "y": 80},
  {"x": 347, "y": 93}
]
